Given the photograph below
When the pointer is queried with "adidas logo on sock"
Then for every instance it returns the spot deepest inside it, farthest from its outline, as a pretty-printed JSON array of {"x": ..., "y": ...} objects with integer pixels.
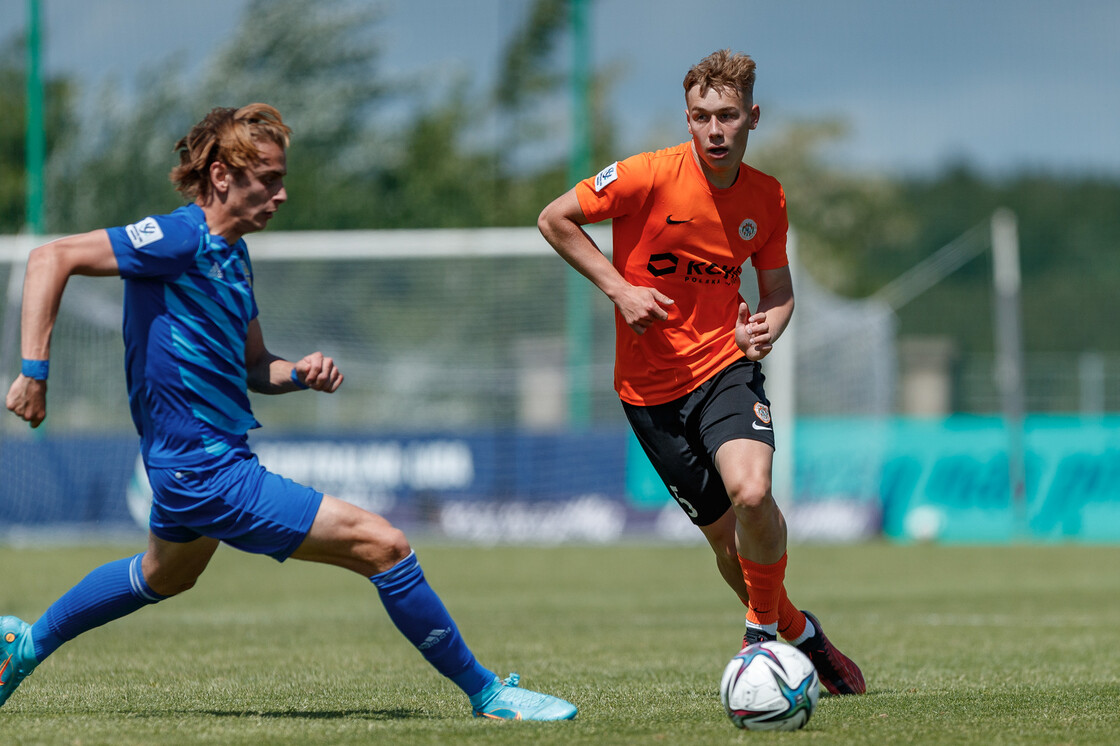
[{"x": 434, "y": 637}]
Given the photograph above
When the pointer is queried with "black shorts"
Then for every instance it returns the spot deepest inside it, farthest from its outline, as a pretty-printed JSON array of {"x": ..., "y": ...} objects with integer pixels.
[{"x": 681, "y": 437}]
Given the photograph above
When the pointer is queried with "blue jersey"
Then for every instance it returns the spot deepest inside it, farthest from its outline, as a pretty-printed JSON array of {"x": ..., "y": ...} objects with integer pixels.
[{"x": 187, "y": 307}]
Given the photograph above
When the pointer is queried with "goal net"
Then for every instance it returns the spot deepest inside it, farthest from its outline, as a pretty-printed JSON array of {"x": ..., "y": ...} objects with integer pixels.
[
  {"x": 461, "y": 332},
  {"x": 433, "y": 330}
]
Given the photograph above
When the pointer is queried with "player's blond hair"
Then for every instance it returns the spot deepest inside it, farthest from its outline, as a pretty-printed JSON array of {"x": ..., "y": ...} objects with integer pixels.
[
  {"x": 723, "y": 71},
  {"x": 229, "y": 136}
]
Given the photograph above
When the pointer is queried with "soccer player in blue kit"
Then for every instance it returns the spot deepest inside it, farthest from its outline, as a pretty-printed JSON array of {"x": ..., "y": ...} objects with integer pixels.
[{"x": 193, "y": 350}]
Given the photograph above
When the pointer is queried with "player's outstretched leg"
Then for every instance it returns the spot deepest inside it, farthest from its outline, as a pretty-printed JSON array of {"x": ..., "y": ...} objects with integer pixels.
[
  {"x": 17, "y": 655},
  {"x": 505, "y": 700},
  {"x": 421, "y": 617},
  {"x": 837, "y": 672}
]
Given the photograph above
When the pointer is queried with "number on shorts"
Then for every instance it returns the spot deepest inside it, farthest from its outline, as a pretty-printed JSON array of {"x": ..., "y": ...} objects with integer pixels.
[{"x": 684, "y": 503}]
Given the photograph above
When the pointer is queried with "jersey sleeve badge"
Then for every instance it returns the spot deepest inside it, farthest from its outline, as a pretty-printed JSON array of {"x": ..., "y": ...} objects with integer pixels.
[
  {"x": 606, "y": 176},
  {"x": 143, "y": 233}
]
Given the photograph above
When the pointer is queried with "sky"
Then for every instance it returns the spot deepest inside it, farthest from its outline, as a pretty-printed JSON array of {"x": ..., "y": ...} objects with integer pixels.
[{"x": 1004, "y": 85}]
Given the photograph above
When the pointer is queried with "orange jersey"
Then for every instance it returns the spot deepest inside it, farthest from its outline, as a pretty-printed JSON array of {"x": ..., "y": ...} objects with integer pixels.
[{"x": 674, "y": 232}]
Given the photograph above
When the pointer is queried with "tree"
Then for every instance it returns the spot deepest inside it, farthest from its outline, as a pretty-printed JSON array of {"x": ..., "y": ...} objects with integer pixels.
[
  {"x": 1067, "y": 226},
  {"x": 527, "y": 95},
  {"x": 114, "y": 169},
  {"x": 846, "y": 223},
  {"x": 13, "y": 153},
  {"x": 348, "y": 166},
  {"x": 318, "y": 64},
  {"x": 314, "y": 62}
]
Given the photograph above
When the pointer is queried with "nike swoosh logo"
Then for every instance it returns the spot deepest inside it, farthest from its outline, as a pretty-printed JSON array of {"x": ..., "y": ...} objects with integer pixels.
[
  {"x": 757, "y": 426},
  {"x": 670, "y": 221},
  {"x": 4, "y": 668}
]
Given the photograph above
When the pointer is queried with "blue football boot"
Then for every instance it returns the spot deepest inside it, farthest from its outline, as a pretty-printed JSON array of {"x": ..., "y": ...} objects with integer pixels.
[
  {"x": 17, "y": 655},
  {"x": 504, "y": 700}
]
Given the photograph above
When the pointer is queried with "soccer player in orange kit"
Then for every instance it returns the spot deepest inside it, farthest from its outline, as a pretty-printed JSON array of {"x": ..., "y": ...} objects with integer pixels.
[{"x": 688, "y": 349}]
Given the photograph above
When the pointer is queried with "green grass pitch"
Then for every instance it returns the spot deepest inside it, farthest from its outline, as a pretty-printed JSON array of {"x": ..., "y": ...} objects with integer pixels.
[{"x": 960, "y": 645}]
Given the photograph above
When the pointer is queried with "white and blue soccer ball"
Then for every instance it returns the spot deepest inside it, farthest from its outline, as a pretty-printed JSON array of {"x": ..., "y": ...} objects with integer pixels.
[{"x": 769, "y": 686}]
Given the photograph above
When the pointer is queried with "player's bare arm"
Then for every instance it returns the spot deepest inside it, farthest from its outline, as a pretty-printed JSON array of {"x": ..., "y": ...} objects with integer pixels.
[
  {"x": 272, "y": 374},
  {"x": 49, "y": 267},
  {"x": 561, "y": 223},
  {"x": 756, "y": 333}
]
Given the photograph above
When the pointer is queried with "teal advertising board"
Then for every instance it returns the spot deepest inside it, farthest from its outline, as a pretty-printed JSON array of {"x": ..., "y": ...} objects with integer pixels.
[{"x": 948, "y": 479}]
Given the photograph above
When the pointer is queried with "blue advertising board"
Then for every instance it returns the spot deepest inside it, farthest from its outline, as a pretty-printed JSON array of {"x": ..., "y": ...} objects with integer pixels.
[{"x": 908, "y": 479}]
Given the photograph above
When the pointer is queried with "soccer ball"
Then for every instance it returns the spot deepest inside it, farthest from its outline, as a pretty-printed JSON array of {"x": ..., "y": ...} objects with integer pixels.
[{"x": 769, "y": 686}]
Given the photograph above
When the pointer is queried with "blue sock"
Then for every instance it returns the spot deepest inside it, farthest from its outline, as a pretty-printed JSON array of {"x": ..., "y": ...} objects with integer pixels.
[
  {"x": 109, "y": 592},
  {"x": 421, "y": 617}
]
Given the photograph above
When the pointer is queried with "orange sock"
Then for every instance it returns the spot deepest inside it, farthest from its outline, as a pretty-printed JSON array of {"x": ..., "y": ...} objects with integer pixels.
[
  {"x": 791, "y": 622},
  {"x": 765, "y": 586}
]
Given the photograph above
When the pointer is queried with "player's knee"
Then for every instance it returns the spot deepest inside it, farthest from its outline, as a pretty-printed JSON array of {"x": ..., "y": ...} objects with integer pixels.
[
  {"x": 170, "y": 585},
  {"x": 751, "y": 494},
  {"x": 383, "y": 545},
  {"x": 395, "y": 544},
  {"x": 182, "y": 587}
]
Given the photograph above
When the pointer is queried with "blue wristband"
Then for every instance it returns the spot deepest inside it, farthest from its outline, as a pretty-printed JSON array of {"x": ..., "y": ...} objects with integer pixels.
[
  {"x": 297, "y": 382},
  {"x": 36, "y": 369}
]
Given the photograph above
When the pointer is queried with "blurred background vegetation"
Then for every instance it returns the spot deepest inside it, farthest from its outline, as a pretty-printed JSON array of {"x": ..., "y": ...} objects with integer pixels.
[{"x": 351, "y": 167}]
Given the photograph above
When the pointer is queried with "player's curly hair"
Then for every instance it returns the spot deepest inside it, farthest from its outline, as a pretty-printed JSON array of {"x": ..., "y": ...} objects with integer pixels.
[
  {"x": 723, "y": 71},
  {"x": 229, "y": 136}
]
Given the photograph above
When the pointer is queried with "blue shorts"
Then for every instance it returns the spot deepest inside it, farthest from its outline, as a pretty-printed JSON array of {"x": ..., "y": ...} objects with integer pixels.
[{"x": 240, "y": 503}]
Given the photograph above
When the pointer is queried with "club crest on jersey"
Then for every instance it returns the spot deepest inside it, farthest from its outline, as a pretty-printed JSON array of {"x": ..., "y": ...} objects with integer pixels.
[
  {"x": 143, "y": 233},
  {"x": 747, "y": 229},
  {"x": 606, "y": 176},
  {"x": 762, "y": 412}
]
